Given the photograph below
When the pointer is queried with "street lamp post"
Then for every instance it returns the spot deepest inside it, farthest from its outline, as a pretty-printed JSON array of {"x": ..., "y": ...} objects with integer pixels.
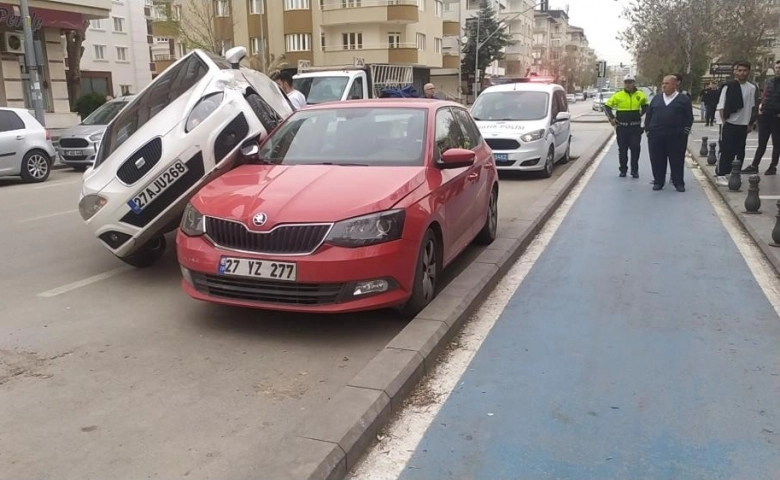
[{"x": 32, "y": 63}]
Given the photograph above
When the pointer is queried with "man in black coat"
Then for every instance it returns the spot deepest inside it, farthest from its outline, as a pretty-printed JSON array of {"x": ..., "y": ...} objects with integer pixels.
[
  {"x": 768, "y": 124},
  {"x": 710, "y": 96},
  {"x": 668, "y": 123}
]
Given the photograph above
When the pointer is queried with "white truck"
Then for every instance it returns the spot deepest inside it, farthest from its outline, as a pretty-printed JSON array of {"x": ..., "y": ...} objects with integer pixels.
[{"x": 329, "y": 84}]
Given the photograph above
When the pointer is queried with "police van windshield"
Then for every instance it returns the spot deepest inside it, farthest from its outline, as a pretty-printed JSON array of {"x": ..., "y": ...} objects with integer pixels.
[{"x": 516, "y": 106}]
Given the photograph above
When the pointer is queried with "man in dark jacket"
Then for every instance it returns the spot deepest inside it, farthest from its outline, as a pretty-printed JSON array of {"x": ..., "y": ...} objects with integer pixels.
[
  {"x": 768, "y": 124},
  {"x": 710, "y": 97},
  {"x": 668, "y": 123}
]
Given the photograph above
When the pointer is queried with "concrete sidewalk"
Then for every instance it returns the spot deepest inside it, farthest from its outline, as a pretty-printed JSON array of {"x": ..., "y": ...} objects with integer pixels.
[
  {"x": 631, "y": 350},
  {"x": 758, "y": 226}
]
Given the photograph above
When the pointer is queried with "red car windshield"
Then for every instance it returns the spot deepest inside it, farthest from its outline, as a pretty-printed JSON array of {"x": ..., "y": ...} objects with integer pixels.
[{"x": 349, "y": 136}]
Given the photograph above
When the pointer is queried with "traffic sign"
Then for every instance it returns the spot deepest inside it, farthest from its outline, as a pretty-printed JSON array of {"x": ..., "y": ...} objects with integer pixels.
[{"x": 602, "y": 69}]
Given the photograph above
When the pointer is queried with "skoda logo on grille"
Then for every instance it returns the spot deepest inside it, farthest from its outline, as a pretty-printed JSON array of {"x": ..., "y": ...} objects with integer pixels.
[{"x": 259, "y": 219}]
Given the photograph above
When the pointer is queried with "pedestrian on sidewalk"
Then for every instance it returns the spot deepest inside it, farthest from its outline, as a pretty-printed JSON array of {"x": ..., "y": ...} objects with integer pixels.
[
  {"x": 668, "y": 123},
  {"x": 710, "y": 96},
  {"x": 768, "y": 124},
  {"x": 738, "y": 108},
  {"x": 630, "y": 105}
]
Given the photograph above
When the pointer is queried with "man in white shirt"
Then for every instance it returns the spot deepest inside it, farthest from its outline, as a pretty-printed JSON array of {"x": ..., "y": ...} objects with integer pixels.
[
  {"x": 285, "y": 82},
  {"x": 737, "y": 110}
]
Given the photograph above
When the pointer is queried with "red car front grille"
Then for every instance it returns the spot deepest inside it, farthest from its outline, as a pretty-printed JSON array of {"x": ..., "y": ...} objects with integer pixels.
[
  {"x": 282, "y": 240},
  {"x": 268, "y": 291}
]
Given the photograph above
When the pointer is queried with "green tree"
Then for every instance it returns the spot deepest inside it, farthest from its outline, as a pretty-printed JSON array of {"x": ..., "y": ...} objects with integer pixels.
[{"x": 485, "y": 27}]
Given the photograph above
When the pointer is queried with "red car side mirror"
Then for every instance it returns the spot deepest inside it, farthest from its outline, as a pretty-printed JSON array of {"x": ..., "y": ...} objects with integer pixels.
[{"x": 457, "y": 158}]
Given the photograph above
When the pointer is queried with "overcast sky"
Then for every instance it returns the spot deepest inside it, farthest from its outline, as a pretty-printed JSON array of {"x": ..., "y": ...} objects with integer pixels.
[{"x": 602, "y": 21}]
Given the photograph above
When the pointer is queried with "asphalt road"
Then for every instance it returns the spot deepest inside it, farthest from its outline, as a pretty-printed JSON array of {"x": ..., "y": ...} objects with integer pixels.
[{"x": 113, "y": 373}]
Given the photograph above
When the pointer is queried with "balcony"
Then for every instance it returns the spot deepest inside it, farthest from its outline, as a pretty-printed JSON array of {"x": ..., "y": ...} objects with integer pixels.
[
  {"x": 450, "y": 60},
  {"x": 161, "y": 62},
  {"x": 88, "y": 8},
  {"x": 398, "y": 54},
  {"x": 450, "y": 29},
  {"x": 349, "y": 12}
]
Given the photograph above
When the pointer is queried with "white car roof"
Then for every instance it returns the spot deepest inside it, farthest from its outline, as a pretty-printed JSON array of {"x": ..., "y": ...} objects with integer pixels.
[{"x": 524, "y": 87}]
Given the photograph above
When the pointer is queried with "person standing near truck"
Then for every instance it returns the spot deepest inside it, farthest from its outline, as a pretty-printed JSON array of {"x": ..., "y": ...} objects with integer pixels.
[
  {"x": 630, "y": 104},
  {"x": 285, "y": 82}
]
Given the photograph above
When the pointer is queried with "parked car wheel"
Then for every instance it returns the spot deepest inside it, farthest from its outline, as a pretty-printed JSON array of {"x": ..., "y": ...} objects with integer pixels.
[
  {"x": 426, "y": 276},
  {"x": 36, "y": 166},
  {"x": 267, "y": 115},
  {"x": 487, "y": 235},
  {"x": 549, "y": 163},
  {"x": 148, "y": 254}
]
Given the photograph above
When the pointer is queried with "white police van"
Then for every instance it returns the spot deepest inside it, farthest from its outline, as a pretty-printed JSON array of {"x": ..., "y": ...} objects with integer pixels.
[{"x": 527, "y": 124}]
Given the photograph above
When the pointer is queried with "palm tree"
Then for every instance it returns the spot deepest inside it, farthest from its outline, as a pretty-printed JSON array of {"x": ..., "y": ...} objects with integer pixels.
[{"x": 276, "y": 64}]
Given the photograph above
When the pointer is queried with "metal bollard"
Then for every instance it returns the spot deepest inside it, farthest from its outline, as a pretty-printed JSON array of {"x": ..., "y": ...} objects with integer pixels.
[
  {"x": 735, "y": 181},
  {"x": 753, "y": 200},
  {"x": 703, "y": 150},
  {"x": 776, "y": 230},
  {"x": 712, "y": 158}
]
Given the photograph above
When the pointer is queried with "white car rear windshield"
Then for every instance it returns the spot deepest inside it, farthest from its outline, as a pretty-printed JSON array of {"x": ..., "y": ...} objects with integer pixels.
[
  {"x": 349, "y": 136},
  {"x": 321, "y": 89},
  {"x": 514, "y": 106}
]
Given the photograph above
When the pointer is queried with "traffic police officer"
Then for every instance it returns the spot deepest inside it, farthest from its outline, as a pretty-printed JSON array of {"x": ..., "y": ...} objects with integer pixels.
[{"x": 630, "y": 104}]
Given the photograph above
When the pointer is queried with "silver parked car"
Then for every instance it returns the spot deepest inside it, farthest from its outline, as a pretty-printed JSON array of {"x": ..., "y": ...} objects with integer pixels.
[
  {"x": 78, "y": 145},
  {"x": 25, "y": 146}
]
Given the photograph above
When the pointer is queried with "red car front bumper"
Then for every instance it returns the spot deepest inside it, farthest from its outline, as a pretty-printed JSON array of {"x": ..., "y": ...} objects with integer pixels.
[{"x": 326, "y": 281}]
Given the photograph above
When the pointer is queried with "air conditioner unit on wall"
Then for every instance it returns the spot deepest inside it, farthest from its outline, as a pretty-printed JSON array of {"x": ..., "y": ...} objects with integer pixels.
[{"x": 14, "y": 42}]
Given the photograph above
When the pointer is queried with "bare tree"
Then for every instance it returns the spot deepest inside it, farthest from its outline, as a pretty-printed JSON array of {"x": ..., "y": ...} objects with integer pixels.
[
  {"x": 197, "y": 27},
  {"x": 74, "y": 46}
]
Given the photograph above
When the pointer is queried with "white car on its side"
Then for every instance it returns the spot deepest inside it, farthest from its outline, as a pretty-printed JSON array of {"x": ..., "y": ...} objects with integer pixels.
[
  {"x": 186, "y": 127},
  {"x": 526, "y": 124}
]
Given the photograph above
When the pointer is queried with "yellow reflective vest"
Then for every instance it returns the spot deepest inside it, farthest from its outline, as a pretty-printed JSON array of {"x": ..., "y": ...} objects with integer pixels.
[{"x": 628, "y": 107}]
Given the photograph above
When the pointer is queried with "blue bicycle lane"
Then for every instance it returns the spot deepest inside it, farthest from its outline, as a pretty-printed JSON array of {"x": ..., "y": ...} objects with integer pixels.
[{"x": 639, "y": 346}]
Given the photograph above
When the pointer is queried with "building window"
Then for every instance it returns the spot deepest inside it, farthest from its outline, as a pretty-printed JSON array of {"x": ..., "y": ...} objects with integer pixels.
[
  {"x": 177, "y": 12},
  {"x": 352, "y": 41},
  {"x": 121, "y": 54},
  {"x": 226, "y": 45},
  {"x": 100, "y": 52},
  {"x": 181, "y": 50},
  {"x": 222, "y": 8},
  {"x": 297, "y": 42},
  {"x": 437, "y": 45},
  {"x": 438, "y": 7},
  {"x": 256, "y": 7},
  {"x": 473, "y": 4},
  {"x": 350, "y": 3},
  {"x": 296, "y": 4},
  {"x": 322, "y": 41},
  {"x": 125, "y": 89},
  {"x": 119, "y": 24},
  {"x": 394, "y": 39},
  {"x": 161, "y": 40},
  {"x": 256, "y": 45},
  {"x": 421, "y": 5},
  {"x": 421, "y": 42},
  {"x": 95, "y": 24}
]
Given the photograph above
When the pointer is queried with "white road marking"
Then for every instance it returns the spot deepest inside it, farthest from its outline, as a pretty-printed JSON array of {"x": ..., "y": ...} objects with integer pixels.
[
  {"x": 56, "y": 184},
  {"x": 769, "y": 197},
  {"x": 758, "y": 264},
  {"x": 389, "y": 457},
  {"x": 83, "y": 283},
  {"x": 43, "y": 217}
]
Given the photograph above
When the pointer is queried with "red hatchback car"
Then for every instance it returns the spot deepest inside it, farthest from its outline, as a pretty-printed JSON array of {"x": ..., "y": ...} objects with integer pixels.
[{"x": 345, "y": 207}]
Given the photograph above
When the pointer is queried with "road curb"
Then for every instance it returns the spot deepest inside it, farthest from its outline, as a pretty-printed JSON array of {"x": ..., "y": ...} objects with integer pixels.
[
  {"x": 331, "y": 440},
  {"x": 770, "y": 253}
]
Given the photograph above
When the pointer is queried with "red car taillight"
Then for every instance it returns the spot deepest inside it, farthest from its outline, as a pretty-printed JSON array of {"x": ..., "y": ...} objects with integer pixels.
[{"x": 48, "y": 135}]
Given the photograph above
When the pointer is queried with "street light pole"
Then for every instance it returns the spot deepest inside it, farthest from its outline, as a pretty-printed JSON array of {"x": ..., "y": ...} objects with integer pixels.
[{"x": 32, "y": 63}]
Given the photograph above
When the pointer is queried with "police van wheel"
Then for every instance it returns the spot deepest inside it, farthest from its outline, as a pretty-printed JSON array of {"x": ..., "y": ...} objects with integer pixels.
[
  {"x": 148, "y": 254},
  {"x": 549, "y": 163}
]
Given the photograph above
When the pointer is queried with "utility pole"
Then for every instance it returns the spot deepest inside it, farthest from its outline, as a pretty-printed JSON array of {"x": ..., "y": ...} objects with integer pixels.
[{"x": 32, "y": 64}]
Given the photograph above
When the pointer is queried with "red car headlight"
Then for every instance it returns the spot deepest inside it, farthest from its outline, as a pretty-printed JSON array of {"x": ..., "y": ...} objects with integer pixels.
[{"x": 368, "y": 230}]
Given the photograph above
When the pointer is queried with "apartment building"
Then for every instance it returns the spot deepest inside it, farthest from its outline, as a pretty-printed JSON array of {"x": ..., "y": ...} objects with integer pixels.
[
  {"x": 49, "y": 20},
  {"x": 116, "y": 58},
  {"x": 519, "y": 17},
  {"x": 283, "y": 33},
  {"x": 550, "y": 36}
]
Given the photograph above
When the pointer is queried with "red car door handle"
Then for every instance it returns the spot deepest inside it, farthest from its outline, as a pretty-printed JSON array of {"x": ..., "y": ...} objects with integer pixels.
[{"x": 473, "y": 176}]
